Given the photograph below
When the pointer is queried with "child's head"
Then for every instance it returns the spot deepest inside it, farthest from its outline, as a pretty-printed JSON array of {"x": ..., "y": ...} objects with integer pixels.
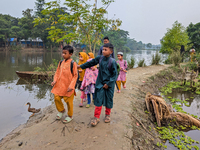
[
  {"x": 120, "y": 55},
  {"x": 105, "y": 40},
  {"x": 80, "y": 57},
  {"x": 67, "y": 52},
  {"x": 83, "y": 57},
  {"x": 107, "y": 49},
  {"x": 91, "y": 55}
]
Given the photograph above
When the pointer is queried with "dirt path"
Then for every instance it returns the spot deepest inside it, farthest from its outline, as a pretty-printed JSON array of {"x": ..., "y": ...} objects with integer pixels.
[{"x": 43, "y": 132}]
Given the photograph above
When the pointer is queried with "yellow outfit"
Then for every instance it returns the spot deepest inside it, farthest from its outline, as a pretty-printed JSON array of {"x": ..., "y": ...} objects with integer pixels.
[
  {"x": 85, "y": 58},
  {"x": 68, "y": 100},
  {"x": 119, "y": 84}
]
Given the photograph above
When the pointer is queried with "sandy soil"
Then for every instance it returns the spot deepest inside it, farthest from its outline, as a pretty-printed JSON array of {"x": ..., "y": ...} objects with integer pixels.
[{"x": 43, "y": 132}]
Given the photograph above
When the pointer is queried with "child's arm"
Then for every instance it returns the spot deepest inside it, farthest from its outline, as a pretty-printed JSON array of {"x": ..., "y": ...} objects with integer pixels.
[
  {"x": 56, "y": 75},
  {"x": 74, "y": 78},
  {"x": 125, "y": 64},
  {"x": 113, "y": 77},
  {"x": 91, "y": 63}
]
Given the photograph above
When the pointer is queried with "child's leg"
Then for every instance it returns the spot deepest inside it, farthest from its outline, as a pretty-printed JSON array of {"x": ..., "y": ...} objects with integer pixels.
[
  {"x": 107, "y": 117},
  {"x": 89, "y": 99},
  {"x": 108, "y": 111},
  {"x": 69, "y": 101},
  {"x": 97, "y": 112},
  {"x": 124, "y": 83},
  {"x": 119, "y": 85},
  {"x": 82, "y": 97},
  {"x": 59, "y": 104}
]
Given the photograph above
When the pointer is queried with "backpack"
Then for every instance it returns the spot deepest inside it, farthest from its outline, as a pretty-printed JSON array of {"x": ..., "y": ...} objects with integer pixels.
[
  {"x": 110, "y": 64},
  {"x": 72, "y": 65}
]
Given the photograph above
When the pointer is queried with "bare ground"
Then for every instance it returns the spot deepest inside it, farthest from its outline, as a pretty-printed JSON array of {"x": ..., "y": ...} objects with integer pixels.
[{"x": 124, "y": 132}]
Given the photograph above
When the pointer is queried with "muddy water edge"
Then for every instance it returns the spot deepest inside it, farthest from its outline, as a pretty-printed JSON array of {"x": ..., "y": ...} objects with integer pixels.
[{"x": 153, "y": 85}]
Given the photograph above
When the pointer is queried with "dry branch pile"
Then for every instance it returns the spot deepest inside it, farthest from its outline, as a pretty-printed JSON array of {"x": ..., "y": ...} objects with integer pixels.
[{"x": 164, "y": 113}]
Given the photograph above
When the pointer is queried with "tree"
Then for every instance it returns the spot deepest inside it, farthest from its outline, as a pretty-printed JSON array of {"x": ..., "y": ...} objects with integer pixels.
[
  {"x": 149, "y": 45},
  {"x": 83, "y": 23},
  {"x": 5, "y": 28},
  {"x": 193, "y": 31},
  {"x": 174, "y": 38},
  {"x": 118, "y": 38},
  {"x": 26, "y": 23},
  {"x": 16, "y": 31}
]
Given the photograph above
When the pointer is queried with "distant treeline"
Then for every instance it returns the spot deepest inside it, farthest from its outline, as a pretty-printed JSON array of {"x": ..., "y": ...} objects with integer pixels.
[{"x": 24, "y": 28}]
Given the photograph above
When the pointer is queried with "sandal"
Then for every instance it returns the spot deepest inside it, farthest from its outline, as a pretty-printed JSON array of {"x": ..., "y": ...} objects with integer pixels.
[
  {"x": 87, "y": 106},
  {"x": 81, "y": 105},
  {"x": 94, "y": 121},
  {"x": 59, "y": 116},
  {"x": 107, "y": 119},
  {"x": 119, "y": 91},
  {"x": 124, "y": 86},
  {"x": 67, "y": 120}
]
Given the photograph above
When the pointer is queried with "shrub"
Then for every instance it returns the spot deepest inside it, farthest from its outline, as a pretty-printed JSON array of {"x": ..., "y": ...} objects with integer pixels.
[
  {"x": 156, "y": 59},
  {"x": 141, "y": 63},
  {"x": 131, "y": 63},
  {"x": 176, "y": 58}
]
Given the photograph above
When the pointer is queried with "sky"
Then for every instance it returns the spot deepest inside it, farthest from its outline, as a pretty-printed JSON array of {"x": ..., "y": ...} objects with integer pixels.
[{"x": 145, "y": 20}]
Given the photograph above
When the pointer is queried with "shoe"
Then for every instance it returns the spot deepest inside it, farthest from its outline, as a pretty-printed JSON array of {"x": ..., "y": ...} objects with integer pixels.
[
  {"x": 124, "y": 86},
  {"x": 80, "y": 105}
]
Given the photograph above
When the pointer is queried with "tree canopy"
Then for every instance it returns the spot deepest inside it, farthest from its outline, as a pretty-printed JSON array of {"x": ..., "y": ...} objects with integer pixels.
[
  {"x": 193, "y": 31},
  {"x": 84, "y": 22},
  {"x": 174, "y": 38}
]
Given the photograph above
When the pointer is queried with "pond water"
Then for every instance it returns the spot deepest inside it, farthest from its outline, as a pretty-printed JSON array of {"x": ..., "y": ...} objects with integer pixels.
[
  {"x": 193, "y": 108},
  {"x": 15, "y": 92}
]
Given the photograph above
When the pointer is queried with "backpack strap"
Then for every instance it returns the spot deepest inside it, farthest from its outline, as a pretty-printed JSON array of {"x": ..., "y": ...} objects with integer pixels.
[
  {"x": 110, "y": 64},
  {"x": 100, "y": 59},
  {"x": 60, "y": 63},
  {"x": 72, "y": 65}
]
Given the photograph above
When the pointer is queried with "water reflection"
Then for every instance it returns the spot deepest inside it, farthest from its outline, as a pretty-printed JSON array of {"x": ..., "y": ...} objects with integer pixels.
[
  {"x": 194, "y": 103},
  {"x": 144, "y": 54}
]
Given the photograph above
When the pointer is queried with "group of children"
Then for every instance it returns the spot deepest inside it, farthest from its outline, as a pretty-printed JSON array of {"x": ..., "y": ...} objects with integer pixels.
[{"x": 99, "y": 83}]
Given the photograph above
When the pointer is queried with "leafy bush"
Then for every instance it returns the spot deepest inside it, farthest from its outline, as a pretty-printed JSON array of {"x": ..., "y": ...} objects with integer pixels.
[
  {"x": 141, "y": 63},
  {"x": 192, "y": 66},
  {"x": 131, "y": 63},
  {"x": 156, "y": 59},
  {"x": 168, "y": 61},
  {"x": 176, "y": 58}
]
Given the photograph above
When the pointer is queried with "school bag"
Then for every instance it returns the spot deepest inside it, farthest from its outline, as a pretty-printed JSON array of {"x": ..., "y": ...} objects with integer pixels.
[
  {"x": 110, "y": 64},
  {"x": 72, "y": 65}
]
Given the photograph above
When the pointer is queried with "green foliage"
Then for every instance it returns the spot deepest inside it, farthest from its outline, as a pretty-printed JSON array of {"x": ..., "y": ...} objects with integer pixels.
[
  {"x": 26, "y": 23},
  {"x": 134, "y": 45},
  {"x": 193, "y": 31},
  {"x": 141, "y": 63},
  {"x": 176, "y": 58},
  {"x": 149, "y": 45},
  {"x": 131, "y": 63},
  {"x": 118, "y": 38},
  {"x": 176, "y": 137},
  {"x": 84, "y": 22},
  {"x": 191, "y": 66},
  {"x": 48, "y": 70},
  {"x": 174, "y": 38},
  {"x": 156, "y": 59}
]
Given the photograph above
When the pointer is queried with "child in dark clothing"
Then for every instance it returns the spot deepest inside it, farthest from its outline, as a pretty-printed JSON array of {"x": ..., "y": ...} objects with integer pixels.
[{"x": 104, "y": 88}]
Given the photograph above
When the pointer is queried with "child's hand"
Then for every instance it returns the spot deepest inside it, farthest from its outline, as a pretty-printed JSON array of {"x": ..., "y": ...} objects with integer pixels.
[
  {"x": 105, "y": 86},
  {"x": 80, "y": 71},
  {"x": 93, "y": 68},
  {"x": 69, "y": 90},
  {"x": 121, "y": 69},
  {"x": 53, "y": 83},
  {"x": 78, "y": 67}
]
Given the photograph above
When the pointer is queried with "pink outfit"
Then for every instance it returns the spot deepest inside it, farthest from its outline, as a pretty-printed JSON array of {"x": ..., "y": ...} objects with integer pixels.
[
  {"x": 90, "y": 77},
  {"x": 122, "y": 74}
]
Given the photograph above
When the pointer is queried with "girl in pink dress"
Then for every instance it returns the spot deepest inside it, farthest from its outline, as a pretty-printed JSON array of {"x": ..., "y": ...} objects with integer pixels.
[
  {"x": 122, "y": 74},
  {"x": 89, "y": 80}
]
